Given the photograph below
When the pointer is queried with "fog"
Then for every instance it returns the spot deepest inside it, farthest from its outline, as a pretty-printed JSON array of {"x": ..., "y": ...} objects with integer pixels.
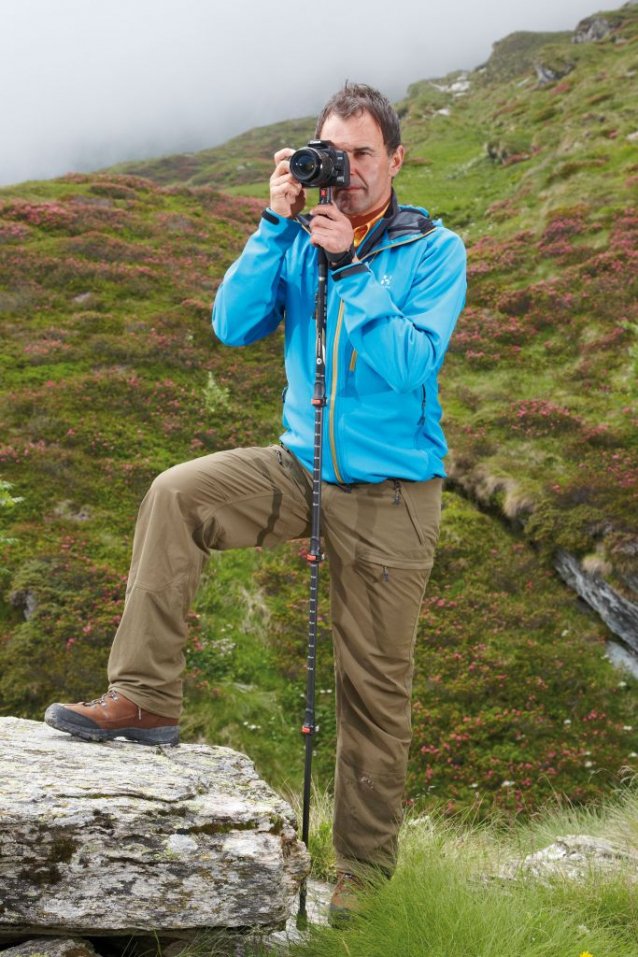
[{"x": 86, "y": 83}]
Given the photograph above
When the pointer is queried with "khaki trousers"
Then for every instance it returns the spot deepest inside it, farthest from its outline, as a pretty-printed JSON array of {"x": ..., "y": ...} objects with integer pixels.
[{"x": 379, "y": 541}]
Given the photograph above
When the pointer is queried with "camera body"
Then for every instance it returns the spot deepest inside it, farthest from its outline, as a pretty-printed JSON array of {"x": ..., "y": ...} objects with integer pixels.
[{"x": 321, "y": 165}]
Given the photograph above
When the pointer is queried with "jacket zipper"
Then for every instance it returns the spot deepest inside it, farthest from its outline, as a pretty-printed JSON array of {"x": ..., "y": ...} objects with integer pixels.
[
  {"x": 335, "y": 357},
  {"x": 333, "y": 393}
]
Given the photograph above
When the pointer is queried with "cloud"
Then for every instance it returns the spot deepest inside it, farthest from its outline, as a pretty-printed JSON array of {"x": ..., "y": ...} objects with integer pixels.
[{"x": 88, "y": 83}]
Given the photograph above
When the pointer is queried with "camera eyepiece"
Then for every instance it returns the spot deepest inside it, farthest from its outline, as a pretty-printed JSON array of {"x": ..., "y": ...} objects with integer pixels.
[{"x": 320, "y": 164}]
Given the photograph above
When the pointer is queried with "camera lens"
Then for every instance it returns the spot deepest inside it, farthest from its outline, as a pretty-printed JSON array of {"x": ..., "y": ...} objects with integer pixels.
[
  {"x": 305, "y": 165},
  {"x": 319, "y": 164}
]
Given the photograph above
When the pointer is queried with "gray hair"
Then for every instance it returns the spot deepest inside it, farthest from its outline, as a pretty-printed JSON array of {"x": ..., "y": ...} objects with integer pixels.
[{"x": 355, "y": 98}]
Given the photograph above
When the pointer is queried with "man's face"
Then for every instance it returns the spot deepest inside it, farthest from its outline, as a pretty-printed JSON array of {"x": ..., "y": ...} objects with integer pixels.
[{"x": 371, "y": 169}]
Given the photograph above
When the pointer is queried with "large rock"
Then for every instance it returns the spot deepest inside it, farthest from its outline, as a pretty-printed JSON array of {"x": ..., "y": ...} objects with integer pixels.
[{"x": 115, "y": 838}]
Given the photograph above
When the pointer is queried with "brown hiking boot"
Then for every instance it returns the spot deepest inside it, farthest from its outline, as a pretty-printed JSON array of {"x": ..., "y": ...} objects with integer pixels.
[
  {"x": 344, "y": 902},
  {"x": 112, "y": 716}
]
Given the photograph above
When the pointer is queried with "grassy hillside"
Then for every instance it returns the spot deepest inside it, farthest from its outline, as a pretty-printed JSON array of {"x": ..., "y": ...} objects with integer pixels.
[
  {"x": 539, "y": 176},
  {"x": 110, "y": 374},
  {"x": 541, "y": 388},
  {"x": 246, "y": 159}
]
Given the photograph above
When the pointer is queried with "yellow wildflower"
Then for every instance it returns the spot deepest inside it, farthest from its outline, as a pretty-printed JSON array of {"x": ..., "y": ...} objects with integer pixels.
[{"x": 586, "y": 953}]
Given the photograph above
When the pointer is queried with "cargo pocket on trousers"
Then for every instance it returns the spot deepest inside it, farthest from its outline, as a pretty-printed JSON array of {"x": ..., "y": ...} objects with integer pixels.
[
  {"x": 426, "y": 520},
  {"x": 379, "y": 565},
  {"x": 392, "y": 589}
]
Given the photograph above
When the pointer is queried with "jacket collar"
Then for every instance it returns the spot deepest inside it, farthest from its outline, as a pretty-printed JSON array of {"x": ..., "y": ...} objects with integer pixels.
[{"x": 398, "y": 224}]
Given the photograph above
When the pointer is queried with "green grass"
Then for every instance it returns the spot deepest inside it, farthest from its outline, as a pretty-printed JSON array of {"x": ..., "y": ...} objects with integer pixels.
[
  {"x": 447, "y": 898},
  {"x": 438, "y": 905},
  {"x": 458, "y": 890}
]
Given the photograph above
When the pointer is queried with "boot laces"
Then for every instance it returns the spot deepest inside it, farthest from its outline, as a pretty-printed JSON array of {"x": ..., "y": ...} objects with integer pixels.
[{"x": 102, "y": 699}]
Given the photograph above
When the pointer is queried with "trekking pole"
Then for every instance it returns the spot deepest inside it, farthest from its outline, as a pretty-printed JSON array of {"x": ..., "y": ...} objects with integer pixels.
[{"x": 315, "y": 555}]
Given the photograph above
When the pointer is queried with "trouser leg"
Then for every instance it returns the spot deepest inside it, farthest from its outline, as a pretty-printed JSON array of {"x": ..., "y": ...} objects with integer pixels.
[
  {"x": 380, "y": 543},
  {"x": 233, "y": 499}
]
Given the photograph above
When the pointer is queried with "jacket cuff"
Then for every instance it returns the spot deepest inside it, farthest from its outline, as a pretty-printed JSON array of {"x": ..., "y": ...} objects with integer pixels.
[
  {"x": 339, "y": 260},
  {"x": 352, "y": 269},
  {"x": 272, "y": 224}
]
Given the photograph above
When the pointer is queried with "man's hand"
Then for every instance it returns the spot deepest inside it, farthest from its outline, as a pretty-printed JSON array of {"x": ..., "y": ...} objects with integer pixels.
[
  {"x": 287, "y": 196},
  {"x": 331, "y": 229}
]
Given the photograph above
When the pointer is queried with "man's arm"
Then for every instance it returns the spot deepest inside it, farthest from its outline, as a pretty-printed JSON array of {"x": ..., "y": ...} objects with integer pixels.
[
  {"x": 250, "y": 301},
  {"x": 406, "y": 346}
]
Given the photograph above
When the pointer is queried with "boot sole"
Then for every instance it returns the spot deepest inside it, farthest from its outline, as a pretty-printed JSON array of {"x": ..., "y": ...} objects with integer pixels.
[{"x": 168, "y": 735}]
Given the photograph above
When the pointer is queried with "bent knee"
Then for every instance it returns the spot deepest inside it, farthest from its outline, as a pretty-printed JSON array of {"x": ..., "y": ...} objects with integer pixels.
[{"x": 174, "y": 480}]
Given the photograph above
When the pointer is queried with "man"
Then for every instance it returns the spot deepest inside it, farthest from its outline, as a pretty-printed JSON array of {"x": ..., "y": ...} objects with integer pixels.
[{"x": 395, "y": 290}]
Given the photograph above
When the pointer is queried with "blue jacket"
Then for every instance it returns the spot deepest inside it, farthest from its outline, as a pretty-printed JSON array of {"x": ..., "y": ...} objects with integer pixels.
[{"x": 390, "y": 318}]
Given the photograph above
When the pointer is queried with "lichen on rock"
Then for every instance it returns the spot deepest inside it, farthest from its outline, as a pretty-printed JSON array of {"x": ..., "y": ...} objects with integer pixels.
[{"x": 174, "y": 839}]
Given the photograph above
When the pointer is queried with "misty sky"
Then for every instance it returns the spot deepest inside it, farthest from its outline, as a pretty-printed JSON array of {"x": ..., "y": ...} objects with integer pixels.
[{"x": 87, "y": 83}]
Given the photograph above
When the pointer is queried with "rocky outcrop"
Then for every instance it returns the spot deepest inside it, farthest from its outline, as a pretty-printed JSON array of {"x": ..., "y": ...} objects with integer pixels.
[
  {"x": 573, "y": 857},
  {"x": 546, "y": 74},
  {"x": 503, "y": 152},
  {"x": 100, "y": 839},
  {"x": 619, "y": 614},
  {"x": 232, "y": 943},
  {"x": 594, "y": 28}
]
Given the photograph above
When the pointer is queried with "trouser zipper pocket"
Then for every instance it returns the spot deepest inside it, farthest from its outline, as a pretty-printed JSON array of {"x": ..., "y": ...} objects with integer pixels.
[{"x": 402, "y": 494}]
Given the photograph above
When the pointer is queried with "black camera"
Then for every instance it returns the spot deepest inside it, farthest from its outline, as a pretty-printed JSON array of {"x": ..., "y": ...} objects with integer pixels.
[{"x": 319, "y": 164}]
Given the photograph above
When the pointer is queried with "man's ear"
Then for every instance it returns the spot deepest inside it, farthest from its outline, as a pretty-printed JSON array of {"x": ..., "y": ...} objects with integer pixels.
[{"x": 396, "y": 161}]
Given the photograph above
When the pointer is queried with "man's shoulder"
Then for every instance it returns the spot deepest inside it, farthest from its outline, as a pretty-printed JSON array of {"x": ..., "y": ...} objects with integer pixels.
[{"x": 410, "y": 219}]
